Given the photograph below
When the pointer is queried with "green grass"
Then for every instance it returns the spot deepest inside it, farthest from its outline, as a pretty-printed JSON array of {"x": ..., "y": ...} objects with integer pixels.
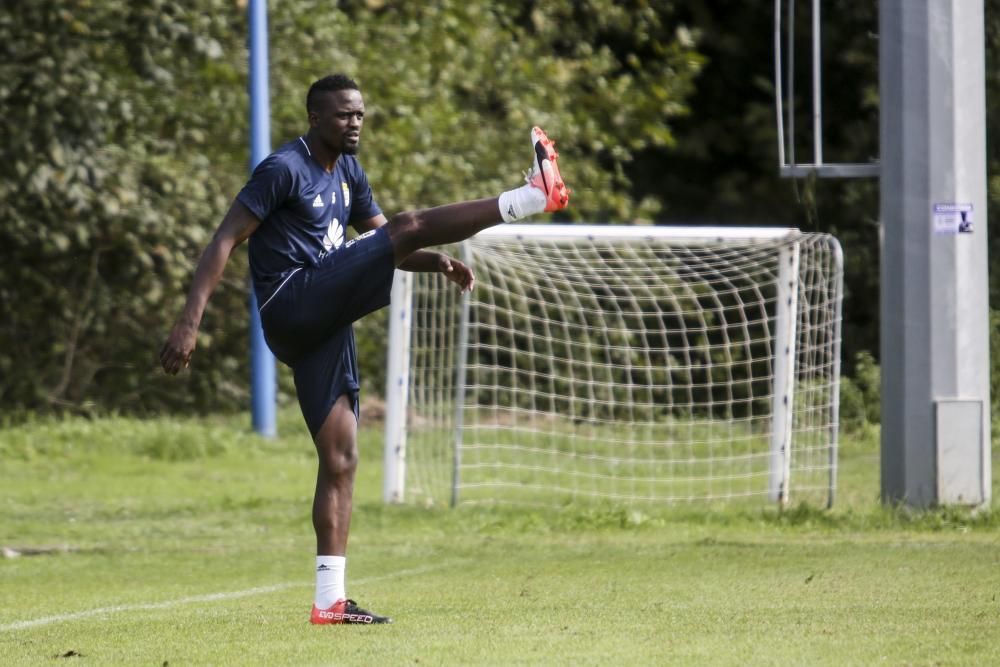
[
  {"x": 535, "y": 459},
  {"x": 189, "y": 542}
]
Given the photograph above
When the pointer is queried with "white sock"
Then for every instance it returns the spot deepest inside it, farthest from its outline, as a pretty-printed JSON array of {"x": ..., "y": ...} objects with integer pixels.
[
  {"x": 521, "y": 202},
  {"x": 330, "y": 580}
]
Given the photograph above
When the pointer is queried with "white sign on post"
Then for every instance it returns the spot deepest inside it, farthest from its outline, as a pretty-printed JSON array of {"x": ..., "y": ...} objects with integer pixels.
[{"x": 953, "y": 218}]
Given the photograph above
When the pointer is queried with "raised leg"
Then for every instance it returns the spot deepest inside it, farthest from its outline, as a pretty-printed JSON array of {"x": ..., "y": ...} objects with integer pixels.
[{"x": 413, "y": 230}]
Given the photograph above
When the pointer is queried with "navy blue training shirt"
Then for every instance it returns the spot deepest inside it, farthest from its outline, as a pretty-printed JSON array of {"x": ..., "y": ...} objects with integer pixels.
[{"x": 304, "y": 211}]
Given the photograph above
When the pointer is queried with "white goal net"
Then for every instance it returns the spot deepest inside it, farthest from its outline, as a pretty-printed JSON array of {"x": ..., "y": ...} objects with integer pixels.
[{"x": 618, "y": 364}]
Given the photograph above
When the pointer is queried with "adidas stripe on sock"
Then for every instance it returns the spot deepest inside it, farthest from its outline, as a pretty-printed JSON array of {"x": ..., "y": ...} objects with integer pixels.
[
  {"x": 330, "y": 580},
  {"x": 521, "y": 202}
]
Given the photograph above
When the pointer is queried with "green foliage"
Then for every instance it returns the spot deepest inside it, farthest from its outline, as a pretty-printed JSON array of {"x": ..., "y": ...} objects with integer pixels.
[
  {"x": 39, "y": 440},
  {"x": 123, "y": 127},
  {"x": 117, "y": 139},
  {"x": 724, "y": 167},
  {"x": 995, "y": 371},
  {"x": 860, "y": 394},
  {"x": 992, "y": 29},
  {"x": 452, "y": 124}
]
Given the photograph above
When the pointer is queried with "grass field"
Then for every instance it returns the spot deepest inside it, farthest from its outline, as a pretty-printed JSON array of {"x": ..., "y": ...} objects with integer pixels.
[{"x": 189, "y": 542}]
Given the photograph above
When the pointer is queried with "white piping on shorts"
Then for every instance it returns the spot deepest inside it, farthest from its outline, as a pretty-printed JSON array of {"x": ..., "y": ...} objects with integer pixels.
[{"x": 275, "y": 292}]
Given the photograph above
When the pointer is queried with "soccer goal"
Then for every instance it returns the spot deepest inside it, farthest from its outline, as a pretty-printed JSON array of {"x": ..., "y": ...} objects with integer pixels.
[{"x": 618, "y": 364}]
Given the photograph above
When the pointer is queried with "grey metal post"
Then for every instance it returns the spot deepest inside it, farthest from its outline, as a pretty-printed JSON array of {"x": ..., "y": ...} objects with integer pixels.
[{"x": 934, "y": 312}]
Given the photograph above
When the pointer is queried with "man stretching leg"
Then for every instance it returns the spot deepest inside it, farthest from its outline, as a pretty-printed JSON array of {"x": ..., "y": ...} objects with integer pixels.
[{"x": 312, "y": 285}]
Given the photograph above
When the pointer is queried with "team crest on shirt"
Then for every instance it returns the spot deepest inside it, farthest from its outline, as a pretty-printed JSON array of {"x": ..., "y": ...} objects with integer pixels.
[{"x": 347, "y": 193}]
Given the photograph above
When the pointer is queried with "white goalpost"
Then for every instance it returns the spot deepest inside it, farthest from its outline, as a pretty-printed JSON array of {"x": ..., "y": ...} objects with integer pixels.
[{"x": 618, "y": 364}]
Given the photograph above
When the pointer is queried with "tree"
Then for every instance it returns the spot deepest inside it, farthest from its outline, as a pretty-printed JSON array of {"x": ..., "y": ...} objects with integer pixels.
[
  {"x": 122, "y": 125},
  {"x": 114, "y": 124},
  {"x": 724, "y": 167}
]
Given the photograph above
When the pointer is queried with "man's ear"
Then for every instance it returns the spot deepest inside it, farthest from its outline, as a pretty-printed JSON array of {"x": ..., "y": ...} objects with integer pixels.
[{"x": 313, "y": 119}]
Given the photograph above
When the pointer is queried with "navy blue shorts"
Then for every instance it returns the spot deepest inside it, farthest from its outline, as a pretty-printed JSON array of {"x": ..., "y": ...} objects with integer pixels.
[{"x": 307, "y": 321}]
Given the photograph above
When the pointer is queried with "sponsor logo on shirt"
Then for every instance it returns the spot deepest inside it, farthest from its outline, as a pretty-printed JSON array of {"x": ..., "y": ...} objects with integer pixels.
[
  {"x": 318, "y": 202},
  {"x": 333, "y": 239}
]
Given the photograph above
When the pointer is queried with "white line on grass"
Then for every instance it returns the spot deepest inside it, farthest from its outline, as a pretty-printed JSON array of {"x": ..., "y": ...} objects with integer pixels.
[{"x": 211, "y": 597}]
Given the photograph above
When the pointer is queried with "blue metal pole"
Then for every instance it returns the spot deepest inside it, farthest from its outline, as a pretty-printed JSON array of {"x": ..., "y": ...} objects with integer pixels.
[{"x": 263, "y": 383}]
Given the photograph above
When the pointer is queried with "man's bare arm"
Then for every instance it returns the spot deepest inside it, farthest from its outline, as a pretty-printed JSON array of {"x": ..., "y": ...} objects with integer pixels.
[{"x": 235, "y": 228}]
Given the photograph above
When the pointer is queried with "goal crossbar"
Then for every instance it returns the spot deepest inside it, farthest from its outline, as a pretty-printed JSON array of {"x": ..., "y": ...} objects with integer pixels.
[{"x": 677, "y": 233}]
